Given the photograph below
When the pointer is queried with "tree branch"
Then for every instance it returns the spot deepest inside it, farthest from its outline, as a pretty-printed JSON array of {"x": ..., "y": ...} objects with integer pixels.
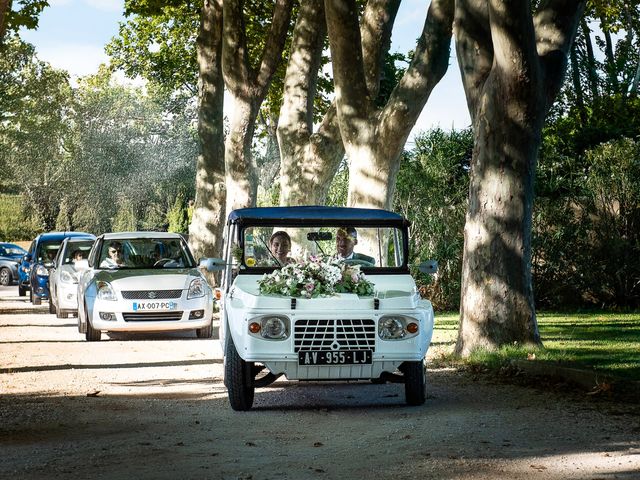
[
  {"x": 474, "y": 48},
  {"x": 514, "y": 43},
  {"x": 556, "y": 22},
  {"x": 235, "y": 57},
  {"x": 375, "y": 30},
  {"x": 272, "y": 53},
  {"x": 346, "y": 54},
  {"x": 429, "y": 64},
  {"x": 296, "y": 114}
]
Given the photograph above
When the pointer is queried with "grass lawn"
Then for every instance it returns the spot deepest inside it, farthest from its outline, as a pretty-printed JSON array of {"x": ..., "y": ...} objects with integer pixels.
[{"x": 606, "y": 342}]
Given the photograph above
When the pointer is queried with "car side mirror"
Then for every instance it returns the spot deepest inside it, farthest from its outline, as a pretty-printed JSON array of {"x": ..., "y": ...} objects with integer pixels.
[
  {"x": 430, "y": 266},
  {"x": 27, "y": 257},
  {"x": 81, "y": 265},
  {"x": 212, "y": 264}
]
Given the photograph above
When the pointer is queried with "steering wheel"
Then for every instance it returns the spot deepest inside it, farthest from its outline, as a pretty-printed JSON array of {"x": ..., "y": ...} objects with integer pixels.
[
  {"x": 357, "y": 261},
  {"x": 162, "y": 262}
]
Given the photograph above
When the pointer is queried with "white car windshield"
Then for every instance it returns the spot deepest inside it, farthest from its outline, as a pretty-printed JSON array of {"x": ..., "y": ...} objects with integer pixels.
[
  {"x": 145, "y": 253},
  {"x": 370, "y": 247}
]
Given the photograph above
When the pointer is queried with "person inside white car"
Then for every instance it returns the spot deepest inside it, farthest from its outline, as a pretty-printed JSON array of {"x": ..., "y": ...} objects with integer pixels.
[{"x": 114, "y": 258}]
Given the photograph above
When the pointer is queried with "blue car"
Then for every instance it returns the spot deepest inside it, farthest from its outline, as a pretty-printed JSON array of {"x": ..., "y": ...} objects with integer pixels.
[{"x": 39, "y": 260}]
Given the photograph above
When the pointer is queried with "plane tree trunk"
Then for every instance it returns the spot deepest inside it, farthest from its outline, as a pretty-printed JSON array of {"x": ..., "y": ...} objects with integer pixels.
[
  {"x": 512, "y": 65},
  {"x": 208, "y": 219},
  {"x": 374, "y": 138},
  {"x": 247, "y": 87}
]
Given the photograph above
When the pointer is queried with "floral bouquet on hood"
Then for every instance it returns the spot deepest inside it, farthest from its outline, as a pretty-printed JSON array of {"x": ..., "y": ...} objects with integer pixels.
[{"x": 316, "y": 277}]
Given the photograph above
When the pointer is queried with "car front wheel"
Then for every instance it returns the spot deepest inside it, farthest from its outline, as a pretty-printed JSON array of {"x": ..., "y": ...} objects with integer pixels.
[
  {"x": 52, "y": 307},
  {"x": 92, "y": 335},
  {"x": 205, "y": 332},
  {"x": 5, "y": 276},
  {"x": 22, "y": 292},
  {"x": 414, "y": 382},
  {"x": 238, "y": 379}
]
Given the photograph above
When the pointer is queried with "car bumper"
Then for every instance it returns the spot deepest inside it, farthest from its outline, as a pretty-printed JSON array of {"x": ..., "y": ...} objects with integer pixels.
[
  {"x": 67, "y": 297},
  {"x": 40, "y": 287},
  {"x": 282, "y": 356},
  {"x": 124, "y": 318}
]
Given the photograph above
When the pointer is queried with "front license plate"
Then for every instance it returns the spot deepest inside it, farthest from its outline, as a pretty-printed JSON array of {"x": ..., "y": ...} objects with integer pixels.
[
  {"x": 324, "y": 357},
  {"x": 148, "y": 306}
]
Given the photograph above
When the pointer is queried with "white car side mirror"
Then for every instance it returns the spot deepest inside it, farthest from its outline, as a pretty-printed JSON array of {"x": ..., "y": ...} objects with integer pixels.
[
  {"x": 212, "y": 264},
  {"x": 430, "y": 266}
]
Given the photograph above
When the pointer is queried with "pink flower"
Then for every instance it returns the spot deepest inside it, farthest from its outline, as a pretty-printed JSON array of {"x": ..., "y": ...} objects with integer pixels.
[
  {"x": 309, "y": 287},
  {"x": 354, "y": 277}
]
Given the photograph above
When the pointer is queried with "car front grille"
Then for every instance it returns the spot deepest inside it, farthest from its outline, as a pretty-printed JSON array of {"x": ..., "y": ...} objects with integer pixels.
[
  {"x": 152, "y": 317},
  {"x": 150, "y": 294},
  {"x": 335, "y": 334}
]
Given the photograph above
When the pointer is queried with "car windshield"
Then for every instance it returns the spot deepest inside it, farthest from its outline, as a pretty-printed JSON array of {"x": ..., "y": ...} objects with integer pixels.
[
  {"x": 75, "y": 251},
  {"x": 47, "y": 251},
  {"x": 145, "y": 253},
  {"x": 370, "y": 247}
]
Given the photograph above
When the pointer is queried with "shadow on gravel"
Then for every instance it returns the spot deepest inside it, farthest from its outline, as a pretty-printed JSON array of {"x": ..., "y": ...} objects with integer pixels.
[
  {"x": 103, "y": 366},
  {"x": 53, "y": 325}
]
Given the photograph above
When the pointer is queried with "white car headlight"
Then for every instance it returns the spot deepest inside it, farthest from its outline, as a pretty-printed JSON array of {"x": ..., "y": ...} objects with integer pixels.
[
  {"x": 66, "y": 277},
  {"x": 106, "y": 291},
  {"x": 196, "y": 288},
  {"x": 397, "y": 327},
  {"x": 42, "y": 271}
]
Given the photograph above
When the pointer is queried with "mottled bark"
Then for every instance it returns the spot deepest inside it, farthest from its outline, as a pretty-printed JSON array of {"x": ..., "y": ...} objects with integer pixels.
[
  {"x": 247, "y": 87},
  {"x": 374, "y": 139},
  {"x": 308, "y": 161},
  {"x": 207, "y": 223},
  {"x": 510, "y": 99}
]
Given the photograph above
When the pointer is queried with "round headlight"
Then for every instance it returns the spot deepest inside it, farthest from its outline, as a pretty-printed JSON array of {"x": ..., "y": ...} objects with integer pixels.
[
  {"x": 273, "y": 327},
  {"x": 391, "y": 328}
]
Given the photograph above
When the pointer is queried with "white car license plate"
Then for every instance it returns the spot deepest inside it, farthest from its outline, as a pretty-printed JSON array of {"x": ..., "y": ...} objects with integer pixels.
[
  {"x": 148, "y": 306},
  {"x": 328, "y": 357}
]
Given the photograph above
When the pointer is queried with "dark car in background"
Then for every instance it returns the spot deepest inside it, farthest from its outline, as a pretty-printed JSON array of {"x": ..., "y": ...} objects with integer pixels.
[
  {"x": 10, "y": 257},
  {"x": 39, "y": 260},
  {"x": 12, "y": 251}
]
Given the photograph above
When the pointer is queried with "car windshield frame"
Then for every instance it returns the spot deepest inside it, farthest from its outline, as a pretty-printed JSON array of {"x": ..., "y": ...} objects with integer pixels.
[
  {"x": 240, "y": 247},
  {"x": 139, "y": 253}
]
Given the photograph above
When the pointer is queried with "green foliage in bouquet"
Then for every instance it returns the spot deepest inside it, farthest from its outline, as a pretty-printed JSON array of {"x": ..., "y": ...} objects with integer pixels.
[{"x": 316, "y": 277}]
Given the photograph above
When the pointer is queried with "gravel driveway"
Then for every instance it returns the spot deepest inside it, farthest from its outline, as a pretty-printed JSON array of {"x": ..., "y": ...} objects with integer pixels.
[{"x": 154, "y": 406}]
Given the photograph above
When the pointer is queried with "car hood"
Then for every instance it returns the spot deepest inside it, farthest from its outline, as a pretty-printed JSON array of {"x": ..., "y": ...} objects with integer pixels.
[{"x": 152, "y": 279}]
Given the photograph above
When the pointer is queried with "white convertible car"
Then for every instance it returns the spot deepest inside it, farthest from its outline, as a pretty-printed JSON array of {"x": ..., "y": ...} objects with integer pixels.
[
  {"x": 321, "y": 293},
  {"x": 142, "y": 281}
]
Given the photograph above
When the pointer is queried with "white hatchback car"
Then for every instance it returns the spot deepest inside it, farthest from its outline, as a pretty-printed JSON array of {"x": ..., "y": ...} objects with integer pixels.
[
  {"x": 63, "y": 277},
  {"x": 143, "y": 281},
  {"x": 320, "y": 310}
]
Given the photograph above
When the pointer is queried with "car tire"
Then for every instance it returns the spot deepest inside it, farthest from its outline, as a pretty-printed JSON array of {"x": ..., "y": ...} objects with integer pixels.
[
  {"x": 61, "y": 313},
  {"x": 22, "y": 292},
  {"x": 238, "y": 379},
  {"x": 92, "y": 334},
  {"x": 36, "y": 300},
  {"x": 5, "y": 276},
  {"x": 415, "y": 385},
  {"x": 31, "y": 296},
  {"x": 52, "y": 307},
  {"x": 205, "y": 332}
]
